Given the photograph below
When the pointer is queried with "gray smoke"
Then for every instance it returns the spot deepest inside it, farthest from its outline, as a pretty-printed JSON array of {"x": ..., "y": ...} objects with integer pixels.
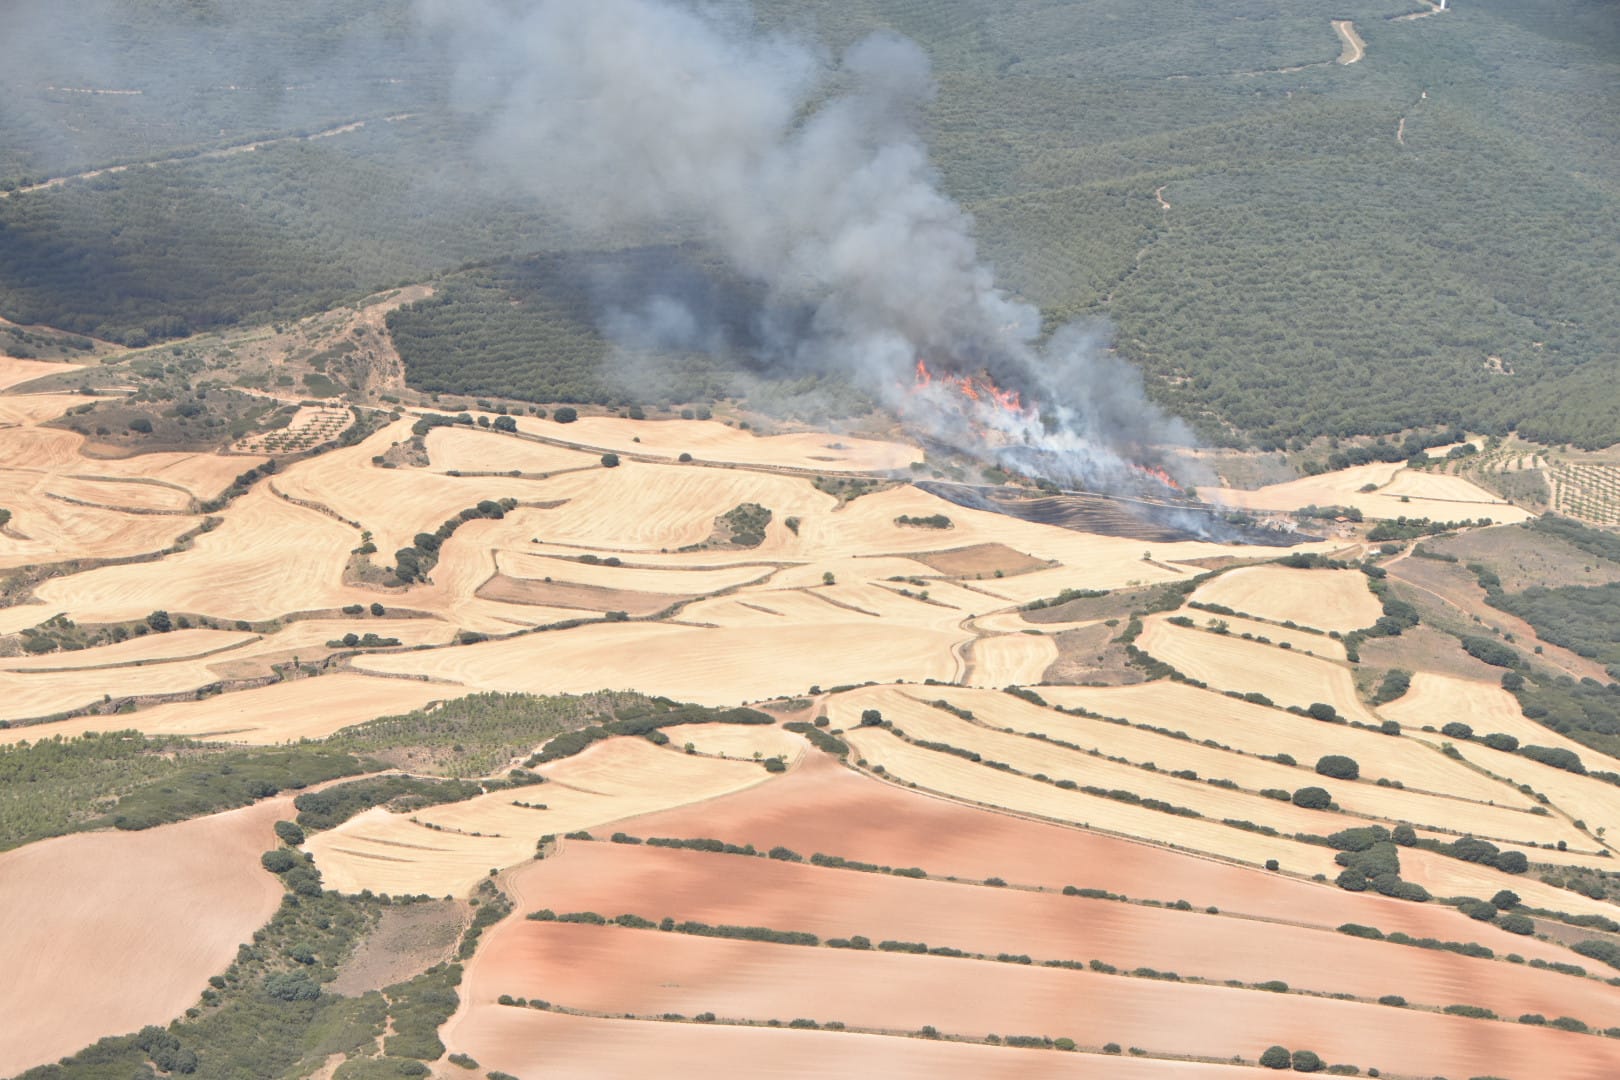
[{"x": 808, "y": 174}]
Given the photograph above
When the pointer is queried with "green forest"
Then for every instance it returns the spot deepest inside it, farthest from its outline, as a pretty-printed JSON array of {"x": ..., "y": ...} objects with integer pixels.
[{"x": 1430, "y": 236}]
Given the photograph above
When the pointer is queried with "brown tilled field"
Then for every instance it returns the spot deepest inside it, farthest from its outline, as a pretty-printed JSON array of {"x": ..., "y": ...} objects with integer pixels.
[{"x": 106, "y": 932}]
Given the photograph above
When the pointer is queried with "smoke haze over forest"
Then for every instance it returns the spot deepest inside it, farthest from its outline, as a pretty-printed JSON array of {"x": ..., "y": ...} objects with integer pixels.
[{"x": 809, "y": 174}]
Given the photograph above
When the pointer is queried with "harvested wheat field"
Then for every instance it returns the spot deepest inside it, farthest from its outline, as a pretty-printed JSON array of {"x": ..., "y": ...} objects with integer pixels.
[
  {"x": 615, "y": 971},
  {"x": 980, "y": 785},
  {"x": 36, "y": 408},
  {"x": 176, "y": 645},
  {"x": 394, "y": 504},
  {"x": 472, "y": 451},
  {"x": 14, "y": 371},
  {"x": 713, "y": 440},
  {"x": 119, "y": 494},
  {"x": 744, "y": 742},
  {"x": 924, "y": 723},
  {"x": 268, "y": 558},
  {"x": 205, "y": 476},
  {"x": 1011, "y": 659},
  {"x": 1324, "y": 599},
  {"x": 1204, "y": 714},
  {"x": 1452, "y": 877},
  {"x": 281, "y": 712},
  {"x": 445, "y": 850},
  {"x": 1397, "y": 492},
  {"x": 1229, "y": 663},
  {"x": 50, "y": 530},
  {"x": 1508, "y": 819},
  {"x": 1300, "y": 641},
  {"x": 562, "y": 565},
  {"x": 834, "y": 903},
  {"x": 1437, "y": 700},
  {"x": 1445, "y": 498},
  {"x": 36, "y": 694},
  {"x": 524, "y": 1042},
  {"x": 644, "y": 508},
  {"x": 711, "y": 666},
  {"x": 108, "y": 931}
]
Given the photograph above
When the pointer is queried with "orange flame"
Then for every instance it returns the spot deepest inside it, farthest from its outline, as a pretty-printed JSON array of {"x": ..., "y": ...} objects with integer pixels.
[
  {"x": 978, "y": 388},
  {"x": 1158, "y": 474}
]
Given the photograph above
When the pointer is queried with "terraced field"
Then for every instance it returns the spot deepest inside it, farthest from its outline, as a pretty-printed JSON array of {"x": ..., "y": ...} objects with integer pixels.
[{"x": 937, "y": 847}]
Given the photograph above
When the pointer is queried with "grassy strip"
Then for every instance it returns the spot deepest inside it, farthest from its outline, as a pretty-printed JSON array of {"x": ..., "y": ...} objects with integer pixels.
[
  {"x": 661, "y": 713},
  {"x": 128, "y": 781},
  {"x": 332, "y": 806}
]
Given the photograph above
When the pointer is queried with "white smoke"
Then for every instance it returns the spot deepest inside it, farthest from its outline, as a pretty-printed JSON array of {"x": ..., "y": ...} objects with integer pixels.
[{"x": 809, "y": 175}]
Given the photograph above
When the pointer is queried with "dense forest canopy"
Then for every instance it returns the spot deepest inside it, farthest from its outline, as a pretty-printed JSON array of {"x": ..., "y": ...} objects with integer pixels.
[{"x": 1287, "y": 246}]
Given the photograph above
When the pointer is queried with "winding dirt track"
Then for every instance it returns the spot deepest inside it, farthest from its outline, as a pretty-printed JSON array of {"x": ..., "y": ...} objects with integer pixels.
[{"x": 1354, "y": 47}]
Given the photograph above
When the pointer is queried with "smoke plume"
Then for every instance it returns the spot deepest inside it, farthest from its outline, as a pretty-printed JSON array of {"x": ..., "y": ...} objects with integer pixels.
[{"x": 808, "y": 173}]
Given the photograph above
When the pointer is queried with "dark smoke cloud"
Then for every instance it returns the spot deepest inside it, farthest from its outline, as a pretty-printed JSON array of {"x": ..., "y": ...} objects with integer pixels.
[{"x": 808, "y": 173}]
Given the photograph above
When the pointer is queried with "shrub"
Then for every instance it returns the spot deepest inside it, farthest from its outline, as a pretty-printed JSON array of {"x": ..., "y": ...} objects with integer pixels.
[
  {"x": 1306, "y": 1061},
  {"x": 1393, "y": 1000},
  {"x": 1606, "y": 951},
  {"x": 1557, "y": 757},
  {"x": 610, "y": 461},
  {"x": 291, "y": 986},
  {"x": 1312, "y": 798},
  {"x": 1457, "y": 730},
  {"x": 1276, "y": 1057},
  {"x": 289, "y": 833},
  {"x": 1500, "y": 741},
  {"x": 1338, "y": 766},
  {"x": 1517, "y": 924},
  {"x": 279, "y": 860},
  {"x": 566, "y": 415}
]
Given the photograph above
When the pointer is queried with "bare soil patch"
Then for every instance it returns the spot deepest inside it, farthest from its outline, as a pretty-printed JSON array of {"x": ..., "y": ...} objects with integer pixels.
[
  {"x": 1522, "y": 558},
  {"x": 980, "y": 559},
  {"x": 1448, "y": 595},
  {"x": 821, "y": 806},
  {"x": 408, "y": 939},
  {"x": 618, "y": 971},
  {"x": 1423, "y": 648},
  {"x": 1091, "y": 655},
  {"x": 728, "y": 890},
  {"x": 523, "y": 1042},
  {"x": 569, "y": 595}
]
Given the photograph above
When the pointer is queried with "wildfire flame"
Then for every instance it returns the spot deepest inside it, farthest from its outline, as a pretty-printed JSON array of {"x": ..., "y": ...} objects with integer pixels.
[
  {"x": 997, "y": 417},
  {"x": 979, "y": 388},
  {"x": 1158, "y": 474}
]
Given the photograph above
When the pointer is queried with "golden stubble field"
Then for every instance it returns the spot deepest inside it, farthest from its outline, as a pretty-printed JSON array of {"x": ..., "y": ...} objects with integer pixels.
[{"x": 1167, "y": 802}]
